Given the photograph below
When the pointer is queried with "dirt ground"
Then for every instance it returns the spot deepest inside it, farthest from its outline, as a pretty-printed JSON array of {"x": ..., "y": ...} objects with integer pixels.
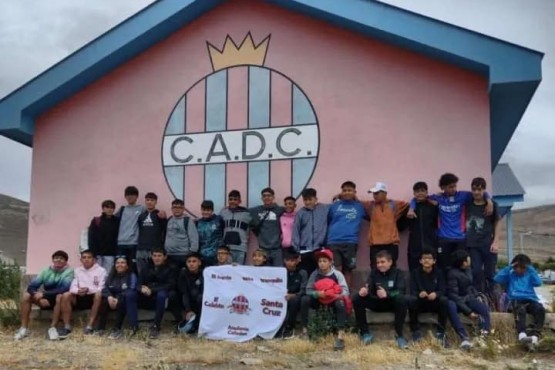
[{"x": 172, "y": 351}]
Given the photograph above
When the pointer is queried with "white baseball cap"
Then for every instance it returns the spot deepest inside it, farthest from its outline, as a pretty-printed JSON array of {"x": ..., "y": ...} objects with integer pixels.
[{"x": 380, "y": 186}]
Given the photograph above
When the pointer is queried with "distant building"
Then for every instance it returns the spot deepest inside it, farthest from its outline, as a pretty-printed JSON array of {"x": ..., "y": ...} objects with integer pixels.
[{"x": 191, "y": 99}]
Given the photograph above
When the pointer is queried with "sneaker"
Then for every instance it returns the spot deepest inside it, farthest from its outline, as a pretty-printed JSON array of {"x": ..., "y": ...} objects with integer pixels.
[
  {"x": 88, "y": 331},
  {"x": 402, "y": 343},
  {"x": 441, "y": 339},
  {"x": 416, "y": 336},
  {"x": 304, "y": 336},
  {"x": 154, "y": 332},
  {"x": 339, "y": 345},
  {"x": 523, "y": 338},
  {"x": 63, "y": 333},
  {"x": 366, "y": 338},
  {"x": 288, "y": 334},
  {"x": 99, "y": 332},
  {"x": 21, "y": 333},
  {"x": 484, "y": 334},
  {"x": 466, "y": 345},
  {"x": 53, "y": 334},
  {"x": 115, "y": 334},
  {"x": 133, "y": 332},
  {"x": 533, "y": 346}
]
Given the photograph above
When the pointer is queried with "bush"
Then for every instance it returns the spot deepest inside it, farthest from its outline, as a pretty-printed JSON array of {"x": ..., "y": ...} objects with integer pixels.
[
  {"x": 321, "y": 323},
  {"x": 502, "y": 263},
  {"x": 10, "y": 294}
]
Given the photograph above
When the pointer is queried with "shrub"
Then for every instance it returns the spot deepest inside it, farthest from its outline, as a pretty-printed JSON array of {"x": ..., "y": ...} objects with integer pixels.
[
  {"x": 10, "y": 293},
  {"x": 321, "y": 323}
]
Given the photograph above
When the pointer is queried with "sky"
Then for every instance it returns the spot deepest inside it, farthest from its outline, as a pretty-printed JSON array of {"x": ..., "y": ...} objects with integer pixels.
[{"x": 35, "y": 34}]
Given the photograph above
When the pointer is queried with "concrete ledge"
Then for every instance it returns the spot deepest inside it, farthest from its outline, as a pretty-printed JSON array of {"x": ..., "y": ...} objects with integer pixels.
[{"x": 144, "y": 315}]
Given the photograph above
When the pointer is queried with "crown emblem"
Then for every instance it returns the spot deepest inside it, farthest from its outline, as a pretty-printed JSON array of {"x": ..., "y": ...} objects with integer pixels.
[{"x": 231, "y": 54}]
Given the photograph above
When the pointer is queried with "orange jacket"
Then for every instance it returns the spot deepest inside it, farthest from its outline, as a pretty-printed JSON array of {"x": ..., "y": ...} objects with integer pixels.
[{"x": 383, "y": 221}]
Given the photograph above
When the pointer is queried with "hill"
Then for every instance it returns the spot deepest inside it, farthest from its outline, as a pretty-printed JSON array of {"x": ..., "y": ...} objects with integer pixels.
[{"x": 14, "y": 219}]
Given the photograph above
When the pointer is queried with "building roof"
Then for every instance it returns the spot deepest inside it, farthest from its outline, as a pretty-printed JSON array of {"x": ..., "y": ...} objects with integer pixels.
[
  {"x": 505, "y": 182},
  {"x": 513, "y": 72}
]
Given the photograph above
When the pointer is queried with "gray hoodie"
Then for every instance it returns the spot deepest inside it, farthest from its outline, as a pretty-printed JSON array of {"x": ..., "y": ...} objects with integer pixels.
[
  {"x": 236, "y": 227},
  {"x": 317, "y": 275},
  {"x": 128, "y": 224},
  {"x": 178, "y": 240},
  {"x": 310, "y": 228},
  {"x": 266, "y": 220}
]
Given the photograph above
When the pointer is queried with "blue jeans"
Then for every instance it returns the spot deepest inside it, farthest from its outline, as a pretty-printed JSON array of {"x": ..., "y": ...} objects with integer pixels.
[{"x": 477, "y": 307}]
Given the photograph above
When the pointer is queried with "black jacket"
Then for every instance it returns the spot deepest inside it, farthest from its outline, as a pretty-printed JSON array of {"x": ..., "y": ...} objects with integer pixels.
[
  {"x": 151, "y": 230},
  {"x": 296, "y": 282},
  {"x": 157, "y": 278},
  {"x": 423, "y": 228},
  {"x": 433, "y": 282},
  {"x": 103, "y": 235},
  {"x": 117, "y": 284},
  {"x": 460, "y": 288},
  {"x": 191, "y": 287},
  {"x": 393, "y": 281}
]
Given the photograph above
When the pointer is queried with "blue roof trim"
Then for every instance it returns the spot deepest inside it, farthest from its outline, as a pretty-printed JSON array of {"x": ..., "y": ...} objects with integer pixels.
[{"x": 513, "y": 72}]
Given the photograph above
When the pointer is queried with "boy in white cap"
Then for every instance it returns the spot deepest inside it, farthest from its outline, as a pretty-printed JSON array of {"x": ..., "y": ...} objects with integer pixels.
[{"x": 384, "y": 214}]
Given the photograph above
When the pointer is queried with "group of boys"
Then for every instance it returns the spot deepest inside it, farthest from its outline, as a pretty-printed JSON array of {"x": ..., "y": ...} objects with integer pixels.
[{"x": 321, "y": 240}]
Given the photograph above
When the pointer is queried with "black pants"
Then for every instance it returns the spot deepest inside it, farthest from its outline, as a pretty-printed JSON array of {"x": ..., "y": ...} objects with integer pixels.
[
  {"x": 391, "y": 248},
  {"x": 521, "y": 309},
  {"x": 483, "y": 264},
  {"x": 157, "y": 302},
  {"x": 398, "y": 305},
  {"x": 338, "y": 305},
  {"x": 127, "y": 305},
  {"x": 308, "y": 262},
  {"x": 444, "y": 249},
  {"x": 293, "y": 308},
  {"x": 439, "y": 305}
]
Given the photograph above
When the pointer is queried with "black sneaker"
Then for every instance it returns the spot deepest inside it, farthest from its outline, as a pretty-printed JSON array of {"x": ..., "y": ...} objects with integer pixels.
[
  {"x": 115, "y": 334},
  {"x": 63, "y": 333},
  {"x": 339, "y": 345},
  {"x": 288, "y": 334},
  {"x": 154, "y": 332}
]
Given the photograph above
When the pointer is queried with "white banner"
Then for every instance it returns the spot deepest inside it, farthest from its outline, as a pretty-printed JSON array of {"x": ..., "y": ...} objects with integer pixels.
[{"x": 242, "y": 302}]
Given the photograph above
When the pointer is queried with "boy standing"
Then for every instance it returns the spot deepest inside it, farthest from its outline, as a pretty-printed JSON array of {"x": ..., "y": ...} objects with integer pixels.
[
  {"x": 384, "y": 214},
  {"x": 428, "y": 295},
  {"x": 310, "y": 229},
  {"x": 287, "y": 219},
  {"x": 128, "y": 235},
  {"x": 236, "y": 227},
  {"x": 452, "y": 228},
  {"x": 46, "y": 291},
  {"x": 520, "y": 279},
  {"x": 266, "y": 226},
  {"x": 156, "y": 286},
  {"x": 463, "y": 297},
  {"x": 190, "y": 285},
  {"x": 103, "y": 235},
  {"x": 423, "y": 228},
  {"x": 85, "y": 293},
  {"x": 181, "y": 235},
  {"x": 482, "y": 233},
  {"x": 344, "y": 219},
  {"x": 335, "y": 296},
  {"x": 210, "y": 232},
  {"x": 384, "y": 291},
  {"x": 152, "y": 224},
  {"x": 296, "y": 286}
]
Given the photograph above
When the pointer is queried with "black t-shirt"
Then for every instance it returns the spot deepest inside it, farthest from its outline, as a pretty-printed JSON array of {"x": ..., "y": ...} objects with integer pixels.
[{"x": 480, "y": 228}]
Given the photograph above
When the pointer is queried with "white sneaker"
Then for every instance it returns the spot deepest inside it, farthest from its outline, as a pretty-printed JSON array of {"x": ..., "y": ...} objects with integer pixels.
[
  {"x": 534, "y": 339},
  {"x": 21, "y": 333},
  {"x": 466, "y": 345},
  {"x": 53, "y": 334},
  {"x": 523, "y": 338}
]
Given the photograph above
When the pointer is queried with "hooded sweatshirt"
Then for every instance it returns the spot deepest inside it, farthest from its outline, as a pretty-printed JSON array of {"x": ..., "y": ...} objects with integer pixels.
[
  {"x": 128, "y": 226},
  {"x": 210, "y": 233},
  {"x": 286, "y": 220},
  {"x": 310, "y": 228},
  {"x": 236, "y": 227},
  {"x": 151, "y": 230},
  {"x": 344, "y": 219},
  {"x": 181, "y": 236},
  {"x": 92, "y": 278},
  {"x": 333, "y": 274},
  {"x": 519, "y": 287},
  {"x": 383, "y": 221},
  {"x": 266, "y": 220},
  {"x": 53, "y": 281},
  {"x": 103, "y": 235}
]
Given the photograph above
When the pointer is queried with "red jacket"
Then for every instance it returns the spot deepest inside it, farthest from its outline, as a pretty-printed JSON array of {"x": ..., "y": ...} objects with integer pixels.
[{"x": 333, "y": 292}]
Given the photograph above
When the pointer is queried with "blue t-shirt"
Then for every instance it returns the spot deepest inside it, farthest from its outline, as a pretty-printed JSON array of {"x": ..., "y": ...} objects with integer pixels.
[{"x": 344, "y": 219}]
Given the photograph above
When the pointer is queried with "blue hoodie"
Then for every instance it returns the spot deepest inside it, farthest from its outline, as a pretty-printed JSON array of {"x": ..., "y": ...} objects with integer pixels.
[
  {"x": 310, "y": 228},
  {"x": 452, "y": 214},
  {"x": 519, "y": 287},
  {"x": 344, "y": 219}
]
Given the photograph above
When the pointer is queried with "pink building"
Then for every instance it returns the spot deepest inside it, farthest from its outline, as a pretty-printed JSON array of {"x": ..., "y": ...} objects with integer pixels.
[{"x": 194, "y": 98}]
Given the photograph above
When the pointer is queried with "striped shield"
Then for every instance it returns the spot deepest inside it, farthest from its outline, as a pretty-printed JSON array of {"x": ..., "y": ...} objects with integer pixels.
[{"x": 244, "y": 127}]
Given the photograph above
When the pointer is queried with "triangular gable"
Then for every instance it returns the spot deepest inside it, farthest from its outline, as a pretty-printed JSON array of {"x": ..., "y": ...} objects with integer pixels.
[{"x": 513, "y": 72}]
